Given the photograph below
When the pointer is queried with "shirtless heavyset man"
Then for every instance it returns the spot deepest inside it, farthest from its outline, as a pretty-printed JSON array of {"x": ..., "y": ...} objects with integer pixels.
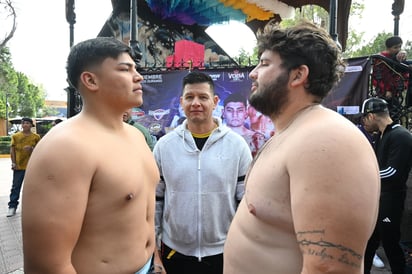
[
  {"x": 312, "y": 193},
  {"x": 89, "y": 194}
]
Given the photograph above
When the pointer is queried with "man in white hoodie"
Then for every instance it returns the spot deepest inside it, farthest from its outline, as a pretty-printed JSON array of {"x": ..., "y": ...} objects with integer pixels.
[{"x": 202, "y": 165}]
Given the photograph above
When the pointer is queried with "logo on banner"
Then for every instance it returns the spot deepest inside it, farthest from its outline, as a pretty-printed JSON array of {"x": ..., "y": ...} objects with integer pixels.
[
  {"x": 215, "y": 76},
  {"x": 236, "y": 76},
  {"x": 155, "y": 128},
  {"x": 152, "y": 78},
  {"x": 159, "y": 113}
]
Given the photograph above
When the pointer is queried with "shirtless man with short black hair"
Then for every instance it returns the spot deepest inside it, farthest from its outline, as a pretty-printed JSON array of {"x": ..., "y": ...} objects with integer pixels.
[{"x": 89, "y": 194}]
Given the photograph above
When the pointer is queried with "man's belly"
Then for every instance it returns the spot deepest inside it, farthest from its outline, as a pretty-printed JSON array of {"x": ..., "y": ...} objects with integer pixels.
[{"x": 253, "y": 246}]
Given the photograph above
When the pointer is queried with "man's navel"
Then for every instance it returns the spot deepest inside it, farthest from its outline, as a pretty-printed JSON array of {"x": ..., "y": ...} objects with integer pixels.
[{"x": 129, "y": 196}]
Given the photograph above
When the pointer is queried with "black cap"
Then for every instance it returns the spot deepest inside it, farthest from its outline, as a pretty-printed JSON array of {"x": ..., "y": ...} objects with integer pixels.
[{"x": 374, "y": 105}]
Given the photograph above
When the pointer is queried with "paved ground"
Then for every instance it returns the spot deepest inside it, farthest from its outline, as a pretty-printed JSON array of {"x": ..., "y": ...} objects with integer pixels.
[{"x": 11, "y": 253}]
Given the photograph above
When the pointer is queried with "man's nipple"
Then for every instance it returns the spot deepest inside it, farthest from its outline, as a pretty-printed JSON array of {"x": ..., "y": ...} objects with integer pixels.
[{"x": 252, "y": 209}]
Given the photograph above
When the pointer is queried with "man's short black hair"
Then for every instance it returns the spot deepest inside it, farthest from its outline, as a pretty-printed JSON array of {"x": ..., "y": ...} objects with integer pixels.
[
  {"x": 235, "y": 97},
  {"x": 196, "y": 77},
  {"x": 393, "y": 41},
  {"x": 86, "y": 54},
  {"x": 26, "y": 119}
]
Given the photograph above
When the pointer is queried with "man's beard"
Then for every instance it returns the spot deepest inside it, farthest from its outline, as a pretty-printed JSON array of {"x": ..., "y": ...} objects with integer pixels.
[{"x": 270, "y": 98}]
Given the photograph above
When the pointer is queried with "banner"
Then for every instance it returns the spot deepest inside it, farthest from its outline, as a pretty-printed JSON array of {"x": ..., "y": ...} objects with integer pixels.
[
  {"x": 161, "y": 110},
  {"x": 353, "y": 88}
]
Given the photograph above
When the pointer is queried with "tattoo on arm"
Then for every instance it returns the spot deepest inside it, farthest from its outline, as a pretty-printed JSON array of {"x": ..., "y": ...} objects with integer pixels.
[{"x": 312, "y": 243}]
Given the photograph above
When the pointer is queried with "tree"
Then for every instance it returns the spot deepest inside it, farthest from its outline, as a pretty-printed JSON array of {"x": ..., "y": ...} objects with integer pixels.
[
  {"x": 8, "y": 80},
  {"x": 7, "y": 17},
  {"x": 312, "y": 13},
  {"x": 373, "y": 47},
  {"x": 245, "y": 59},
  {"x": 24, "y": 98}
]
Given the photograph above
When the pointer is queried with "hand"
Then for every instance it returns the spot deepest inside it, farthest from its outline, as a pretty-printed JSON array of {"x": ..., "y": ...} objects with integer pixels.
[
  {"x": 388, "y": 94},
  {"x": 401, "y": 56},
  {"x": 13, "y": 166},
  {"x": 158, "y": 269}
]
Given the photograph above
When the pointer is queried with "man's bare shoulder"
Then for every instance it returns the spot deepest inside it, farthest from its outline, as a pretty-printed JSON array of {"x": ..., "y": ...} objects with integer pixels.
[
  {"x": 64, "y": 138},
  {"x": 327, "y": 139},
  {"x": 330, "y": 128}
]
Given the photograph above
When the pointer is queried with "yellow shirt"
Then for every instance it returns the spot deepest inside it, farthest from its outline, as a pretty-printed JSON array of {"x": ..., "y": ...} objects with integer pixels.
[{"x": 19, "y": 141}]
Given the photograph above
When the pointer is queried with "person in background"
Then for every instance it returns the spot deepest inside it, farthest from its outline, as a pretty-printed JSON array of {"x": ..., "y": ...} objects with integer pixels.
[
  {"x": 56, "y": 121},
  {"x": 308, "y": 207},
  {"x": 22, "y": 145},
  {"x": 394, "y": 153},
  {"x": 150, "y": 139},
  {"x": 89, "y": 194},
  {"x": 235, "y": 115},
  {"x": 372, "y": 136},
  {"x": 202, "y": 166},
  {"x": 391, "y": 79}
]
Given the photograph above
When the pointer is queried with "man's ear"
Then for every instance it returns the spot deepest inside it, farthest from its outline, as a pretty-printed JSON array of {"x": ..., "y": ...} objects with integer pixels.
[
  {"x": 298, "y": 76},
  {"x": 89, "y": 80},
  {"x": 216, "y": 101}
]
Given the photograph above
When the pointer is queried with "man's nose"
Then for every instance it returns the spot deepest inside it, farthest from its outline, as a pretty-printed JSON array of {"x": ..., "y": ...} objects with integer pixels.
[{"x": 196, "y": 102}]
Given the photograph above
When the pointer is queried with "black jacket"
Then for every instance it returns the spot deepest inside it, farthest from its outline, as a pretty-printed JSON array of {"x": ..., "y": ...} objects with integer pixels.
[{"x": 394, "y": 153}]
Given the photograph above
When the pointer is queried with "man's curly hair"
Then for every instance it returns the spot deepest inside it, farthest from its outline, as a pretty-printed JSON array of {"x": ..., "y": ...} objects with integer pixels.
[{"x": 305, "y": 44}]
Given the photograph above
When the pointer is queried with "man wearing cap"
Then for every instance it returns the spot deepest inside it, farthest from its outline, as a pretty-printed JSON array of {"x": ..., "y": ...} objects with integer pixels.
[
  {"x": 394, "y": 153},
  {"x": 22, "y": 144}
]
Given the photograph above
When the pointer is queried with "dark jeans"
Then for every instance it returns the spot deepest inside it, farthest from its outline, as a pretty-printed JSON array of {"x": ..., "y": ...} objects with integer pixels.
[
  {"x": 18, "y": 177},
  {"x": 388, "y": 231},
  {"x": 181, "y": 264}
]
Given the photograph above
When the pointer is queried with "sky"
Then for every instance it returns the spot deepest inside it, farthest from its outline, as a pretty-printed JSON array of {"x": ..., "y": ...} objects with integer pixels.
[{"x": 41, "y": 42}]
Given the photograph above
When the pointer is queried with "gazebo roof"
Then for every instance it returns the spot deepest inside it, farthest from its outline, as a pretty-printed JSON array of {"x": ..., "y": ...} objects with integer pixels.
[{"x": 255, "y": 13}]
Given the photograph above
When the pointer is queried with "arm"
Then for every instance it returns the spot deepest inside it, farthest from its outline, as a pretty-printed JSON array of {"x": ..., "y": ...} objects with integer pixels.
[
  {"x": 334, "y": 198},
  {"x": 157, "y": 263},
  {"x": 244, "y": 163},
  {"x": 13, "y": 156},
  {"x": 55, "y": 196},
  {"x": 146, "y": 133},
  {"x": 160, "y": 192},
  {"x": 394, "y": 163}
]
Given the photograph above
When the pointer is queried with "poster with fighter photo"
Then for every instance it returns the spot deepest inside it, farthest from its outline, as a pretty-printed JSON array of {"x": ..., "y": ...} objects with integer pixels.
[{"x": 161, "y": 111}]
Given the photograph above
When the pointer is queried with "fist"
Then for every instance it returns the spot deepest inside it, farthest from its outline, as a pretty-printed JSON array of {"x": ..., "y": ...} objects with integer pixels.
[{"x": 401, "y": 56}]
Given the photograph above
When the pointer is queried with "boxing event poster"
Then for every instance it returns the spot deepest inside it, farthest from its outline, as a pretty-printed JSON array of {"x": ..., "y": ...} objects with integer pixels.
[{"x": 161, "y": 110}]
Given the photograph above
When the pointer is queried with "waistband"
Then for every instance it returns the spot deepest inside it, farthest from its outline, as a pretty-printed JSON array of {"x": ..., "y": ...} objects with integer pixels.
[{"x": 146, "y": 268}]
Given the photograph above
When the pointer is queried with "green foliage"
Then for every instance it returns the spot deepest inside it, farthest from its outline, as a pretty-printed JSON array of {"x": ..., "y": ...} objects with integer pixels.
[
  {"x": 355, "y": 44},
  {"x": 312, "y": 13},
  {"x": 23, "y": 96},
  {"x": 373, "y": 47},
  {"x": 5, "y": 142},
  {"x": 5, "y": 138},
  {"x": 245, "y": 59},
  {"x": 48, "y": 111},
  {"x": 357, "y": 47}
]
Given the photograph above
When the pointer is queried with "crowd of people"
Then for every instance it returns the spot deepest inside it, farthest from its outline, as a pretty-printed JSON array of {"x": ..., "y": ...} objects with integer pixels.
[{"x": 101, "y": 195}]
